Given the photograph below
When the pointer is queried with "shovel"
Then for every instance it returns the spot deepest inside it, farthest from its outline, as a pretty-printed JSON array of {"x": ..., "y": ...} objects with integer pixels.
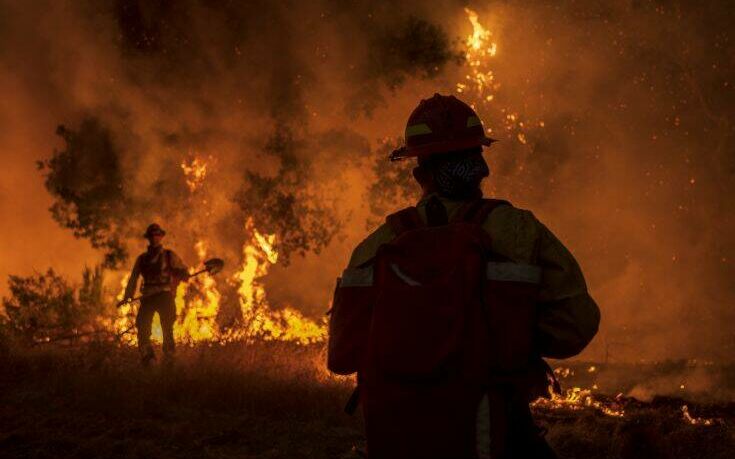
[{"x": 211, "y": 266}]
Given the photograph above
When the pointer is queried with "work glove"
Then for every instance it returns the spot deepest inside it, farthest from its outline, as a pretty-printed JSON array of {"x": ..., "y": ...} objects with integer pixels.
[{"x": 123, "y": 301}]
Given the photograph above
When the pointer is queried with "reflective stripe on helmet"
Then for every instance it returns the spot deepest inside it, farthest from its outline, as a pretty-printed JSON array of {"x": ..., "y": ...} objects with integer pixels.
[
  {"x": 441, "y": 124},
  {"x": 418, "y": 129},
  {"x": 473, "y": 121}
]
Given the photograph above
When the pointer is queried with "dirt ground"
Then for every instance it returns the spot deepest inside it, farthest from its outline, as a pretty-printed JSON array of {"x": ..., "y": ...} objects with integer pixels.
[{"x": 275, "y": 400}]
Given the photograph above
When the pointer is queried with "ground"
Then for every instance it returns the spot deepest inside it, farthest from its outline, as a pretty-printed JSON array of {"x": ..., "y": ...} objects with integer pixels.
[{"x": 275, "y": 400}]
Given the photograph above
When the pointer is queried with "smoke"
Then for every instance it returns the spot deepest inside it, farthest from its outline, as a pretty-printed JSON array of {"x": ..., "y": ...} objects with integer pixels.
[
  {"x": 633, "y": 167},
  {"x": 615, "y": 121}
]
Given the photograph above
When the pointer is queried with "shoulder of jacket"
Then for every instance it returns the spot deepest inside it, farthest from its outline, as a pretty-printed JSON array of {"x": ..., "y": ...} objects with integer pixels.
[
  {"x": 368, "y": 248},
  {"x": 507, "y": 212},
  {"x": 173, "y": 256},
  {"x": 514, "y": 232}
]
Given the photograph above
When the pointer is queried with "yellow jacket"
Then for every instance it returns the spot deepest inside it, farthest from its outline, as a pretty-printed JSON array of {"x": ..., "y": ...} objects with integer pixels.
[
  {"x": 568, "y": 317},
  {"x": 169, "y": 266}
]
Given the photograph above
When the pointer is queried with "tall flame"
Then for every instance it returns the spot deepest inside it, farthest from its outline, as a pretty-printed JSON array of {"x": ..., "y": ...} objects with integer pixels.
[
  {"x": 125, "y": 321},
  {"x": 480, "y": 83},
  {"x": 260, "y": 321},
  {"x": 197, "y": 319},
  {"x": 480, "y": 80},
  {"x": 198, "y": 300}
]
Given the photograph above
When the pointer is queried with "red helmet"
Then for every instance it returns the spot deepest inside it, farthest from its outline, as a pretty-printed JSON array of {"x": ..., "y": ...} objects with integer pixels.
[{"x": 440, "y": 125}]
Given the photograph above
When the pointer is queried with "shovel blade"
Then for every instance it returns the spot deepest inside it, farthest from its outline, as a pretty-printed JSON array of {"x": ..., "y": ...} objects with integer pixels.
[{"x": 214, "y": 265}]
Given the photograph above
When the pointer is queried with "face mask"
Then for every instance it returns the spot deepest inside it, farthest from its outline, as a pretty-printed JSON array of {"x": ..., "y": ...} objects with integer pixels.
[{"x": 460, "y": 177}]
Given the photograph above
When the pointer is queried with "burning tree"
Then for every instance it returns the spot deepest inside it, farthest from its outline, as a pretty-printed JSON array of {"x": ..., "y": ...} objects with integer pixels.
[
  {"x": 277, "y": 206},
  {"x": 284, "y": 205},
  {"x": 279, "y": 211}
]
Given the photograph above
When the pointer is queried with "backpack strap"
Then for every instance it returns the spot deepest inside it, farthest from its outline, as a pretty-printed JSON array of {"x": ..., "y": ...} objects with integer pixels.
[
  {"x": 478, "y": 211},
  {"x": 404, "y": 220}
]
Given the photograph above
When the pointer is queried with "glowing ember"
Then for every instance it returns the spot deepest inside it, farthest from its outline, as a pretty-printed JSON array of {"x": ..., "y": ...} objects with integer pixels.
[
  {"x": 697, "y": 421},
  {"x": 195, "y": 172},
  {"x": 578, "y": 399},
  {"x": 562, "y": 372}
]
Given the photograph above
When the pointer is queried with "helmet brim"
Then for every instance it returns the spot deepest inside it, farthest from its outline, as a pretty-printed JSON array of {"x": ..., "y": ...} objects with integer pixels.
[
  {"x": 154, "y": 233},
  {"x": 446, "y": 146}
]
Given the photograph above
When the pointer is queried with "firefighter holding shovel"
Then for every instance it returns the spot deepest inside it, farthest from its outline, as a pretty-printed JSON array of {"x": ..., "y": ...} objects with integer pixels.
[{"x": 162, "y": 270}]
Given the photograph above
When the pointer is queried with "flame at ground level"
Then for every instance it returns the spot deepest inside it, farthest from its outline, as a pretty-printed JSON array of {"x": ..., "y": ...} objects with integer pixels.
[
  {"x": 577, "y": 398},
  {"x": 197, "y": 314}
]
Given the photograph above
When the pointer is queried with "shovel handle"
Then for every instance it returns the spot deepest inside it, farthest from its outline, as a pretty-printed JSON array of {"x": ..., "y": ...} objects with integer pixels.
[
  {"x": 140, "y": 297},
  {"x": 198, "y": 273}
]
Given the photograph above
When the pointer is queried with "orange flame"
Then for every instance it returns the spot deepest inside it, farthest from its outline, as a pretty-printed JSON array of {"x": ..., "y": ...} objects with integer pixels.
[
  {"x": 697, "y": 421},
  {"x": 197, "y": 319},
  {"x": 481, "y": 78},
  {"x": 577, "y": 399},
  {"x": 195, "y": 172},
  {"x": 480, "y": 82},
  {"x": 261, "y": 322},
  {"x": 197, "y": 312}
]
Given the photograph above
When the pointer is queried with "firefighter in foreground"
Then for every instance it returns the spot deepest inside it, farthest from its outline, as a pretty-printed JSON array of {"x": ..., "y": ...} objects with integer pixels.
[
  {"x": 447, "y": 310},
  {"x": 162, "y": 270}
]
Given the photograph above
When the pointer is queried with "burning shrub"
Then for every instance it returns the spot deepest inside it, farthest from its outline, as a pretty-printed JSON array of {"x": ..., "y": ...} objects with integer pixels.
[{"x": 45, "y": 307}]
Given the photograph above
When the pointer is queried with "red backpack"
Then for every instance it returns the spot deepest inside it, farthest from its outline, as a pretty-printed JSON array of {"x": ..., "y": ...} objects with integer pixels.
[{"x": 437, "y": 321}]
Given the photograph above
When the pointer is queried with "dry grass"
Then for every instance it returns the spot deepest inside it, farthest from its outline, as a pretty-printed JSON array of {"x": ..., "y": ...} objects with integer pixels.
[
  {"x": 269, "y": 400},
  {"x": 263, "y": 401}
]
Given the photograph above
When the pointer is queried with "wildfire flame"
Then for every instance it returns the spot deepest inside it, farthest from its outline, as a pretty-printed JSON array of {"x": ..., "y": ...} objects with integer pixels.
[
  {"x": 697, "y": 421},
  {"x": 194, "y": 172},
  {"x": 480, "y": 82},
  {"x": 480, "y": 79},
  {"x": 198, "y": 318},
  {"x": 197, "y": 307},
  {"x": 125, "y": 321},
  {"x": 577, "y": 398},
  {"x": 260, "y": 321}
]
